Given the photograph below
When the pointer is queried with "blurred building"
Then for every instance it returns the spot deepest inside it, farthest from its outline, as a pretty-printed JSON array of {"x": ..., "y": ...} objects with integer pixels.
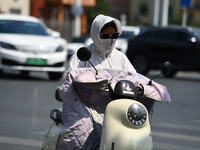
[
  {"x": 140, "y": 12},
  {"x": 60, "y": 15},
  {"x": 15, "y": 6}
]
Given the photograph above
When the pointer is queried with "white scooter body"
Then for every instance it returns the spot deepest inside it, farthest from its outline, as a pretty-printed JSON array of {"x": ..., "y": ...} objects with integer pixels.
[{"x": 119, "y": 134}]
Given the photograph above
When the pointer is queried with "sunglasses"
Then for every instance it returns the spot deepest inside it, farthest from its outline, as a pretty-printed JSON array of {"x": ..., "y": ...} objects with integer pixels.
[{"x": 109, "y": 36}]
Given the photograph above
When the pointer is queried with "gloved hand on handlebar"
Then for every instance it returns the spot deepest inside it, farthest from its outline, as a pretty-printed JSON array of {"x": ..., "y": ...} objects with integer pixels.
[{"x": 140, "y": 90}]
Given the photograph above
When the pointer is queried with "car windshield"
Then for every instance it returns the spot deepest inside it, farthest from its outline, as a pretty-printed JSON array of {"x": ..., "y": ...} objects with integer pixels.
[
  {"x": 21, "y": 27},
  {"x": 126, "y": 34},
  {"x": 197, "y": 32},
  {"x": 81, "y": 39}
]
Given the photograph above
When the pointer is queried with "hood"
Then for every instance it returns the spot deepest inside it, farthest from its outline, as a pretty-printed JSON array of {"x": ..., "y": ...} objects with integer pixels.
[
  {"x": 96, "y": 27},
  {"x": 30, "y": 42}
]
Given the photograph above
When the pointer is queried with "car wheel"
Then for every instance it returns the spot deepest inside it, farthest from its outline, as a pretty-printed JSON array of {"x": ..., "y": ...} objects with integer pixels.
[
  {"x": 141, "y": 64},
  {"x": 55, "y": 75}
]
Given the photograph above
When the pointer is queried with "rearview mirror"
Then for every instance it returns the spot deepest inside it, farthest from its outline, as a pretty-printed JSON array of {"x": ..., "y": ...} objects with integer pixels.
[
  {"x": 53, "y": 33},
  {"x": 167, "y": 67}
]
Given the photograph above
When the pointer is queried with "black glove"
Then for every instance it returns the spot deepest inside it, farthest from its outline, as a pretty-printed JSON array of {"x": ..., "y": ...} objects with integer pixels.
[{"x": 140, "y": 90}]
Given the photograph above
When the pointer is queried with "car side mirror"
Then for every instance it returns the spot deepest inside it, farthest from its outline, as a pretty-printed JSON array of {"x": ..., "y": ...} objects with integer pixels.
[
  {"x": 53, "y": 33},
  {"x": 166, "y": 69},
  {"x": 167, "y": 66}
]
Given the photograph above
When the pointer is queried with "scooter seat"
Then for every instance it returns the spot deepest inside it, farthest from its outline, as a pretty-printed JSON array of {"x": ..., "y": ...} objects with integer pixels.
[{"x": 56, "y": 115}]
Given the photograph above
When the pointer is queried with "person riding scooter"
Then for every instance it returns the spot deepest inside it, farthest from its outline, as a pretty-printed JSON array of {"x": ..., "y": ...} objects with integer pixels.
[{"x": 84, "y": 108}]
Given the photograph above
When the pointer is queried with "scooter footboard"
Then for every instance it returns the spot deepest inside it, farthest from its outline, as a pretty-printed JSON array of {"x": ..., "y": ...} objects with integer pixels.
[{"x": 126, "y": 126}]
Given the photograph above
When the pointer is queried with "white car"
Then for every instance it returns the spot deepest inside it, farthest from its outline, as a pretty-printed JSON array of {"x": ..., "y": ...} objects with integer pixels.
[
  {"x": 77, "y": 43},
  {"x": 26, "y": 44},
  {"x": 127, "y": 32}
]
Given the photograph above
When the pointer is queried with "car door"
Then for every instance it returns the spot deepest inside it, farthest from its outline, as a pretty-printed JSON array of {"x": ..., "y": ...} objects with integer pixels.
[
  {"x": 142, "y": 43},
  {"x": 162, "y": 46},
  {"x": 185, "y": 52}
]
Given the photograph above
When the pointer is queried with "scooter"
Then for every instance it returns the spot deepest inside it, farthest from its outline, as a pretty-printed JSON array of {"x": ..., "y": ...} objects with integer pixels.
[{"x": 126, "y": 124}]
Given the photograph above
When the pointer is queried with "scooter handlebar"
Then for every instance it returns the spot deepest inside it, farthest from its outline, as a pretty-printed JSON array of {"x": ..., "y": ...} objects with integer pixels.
[{"x": 59, "y": 94}]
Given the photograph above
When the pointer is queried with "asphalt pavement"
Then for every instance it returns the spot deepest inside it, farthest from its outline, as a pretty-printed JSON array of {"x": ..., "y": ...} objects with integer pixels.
[{"x": 25, "y": 105}]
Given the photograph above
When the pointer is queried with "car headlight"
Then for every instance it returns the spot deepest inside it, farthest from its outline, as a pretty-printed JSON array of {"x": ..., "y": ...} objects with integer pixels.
[
  {"x": 59, "y": 48},
  {"x": 137, "y": 115},
  {"x": 7, "y": 46}
]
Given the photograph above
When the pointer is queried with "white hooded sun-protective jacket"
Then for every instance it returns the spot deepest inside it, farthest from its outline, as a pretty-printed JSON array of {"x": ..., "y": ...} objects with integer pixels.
[{"x": 102, "y": 57}]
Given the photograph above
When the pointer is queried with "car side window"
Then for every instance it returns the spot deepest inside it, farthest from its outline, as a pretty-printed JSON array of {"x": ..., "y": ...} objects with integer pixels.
[{"x": 146, "y": 35}]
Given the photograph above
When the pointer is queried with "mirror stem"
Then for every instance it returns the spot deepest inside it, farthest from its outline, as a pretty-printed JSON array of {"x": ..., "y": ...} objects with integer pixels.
[
  {"x": 150, "y": 82},
  {"x": 93, "y": 67}
]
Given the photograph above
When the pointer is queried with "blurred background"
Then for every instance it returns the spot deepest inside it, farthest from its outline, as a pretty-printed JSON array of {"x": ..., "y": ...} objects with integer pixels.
[
  {"x": 26, "y": 99},
  {"x": 72, "y": 17}
]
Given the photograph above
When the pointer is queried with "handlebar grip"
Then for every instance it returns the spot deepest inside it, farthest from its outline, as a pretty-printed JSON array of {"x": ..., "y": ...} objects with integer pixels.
[
  {"x": 53, "y": 116},
  {"x": 59, "y": 94},
  {"x": 140, "y": 90}
]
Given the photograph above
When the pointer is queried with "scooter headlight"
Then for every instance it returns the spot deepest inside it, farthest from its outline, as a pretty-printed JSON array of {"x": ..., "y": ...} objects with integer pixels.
[{"x": 137, "y": 115}]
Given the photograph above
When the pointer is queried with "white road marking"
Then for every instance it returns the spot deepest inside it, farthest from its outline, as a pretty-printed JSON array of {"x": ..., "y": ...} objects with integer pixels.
[
  {"x": 176, "y": 126},
  {"x": 176, "y": 136},
  {"x": 171, "y": 147}
]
